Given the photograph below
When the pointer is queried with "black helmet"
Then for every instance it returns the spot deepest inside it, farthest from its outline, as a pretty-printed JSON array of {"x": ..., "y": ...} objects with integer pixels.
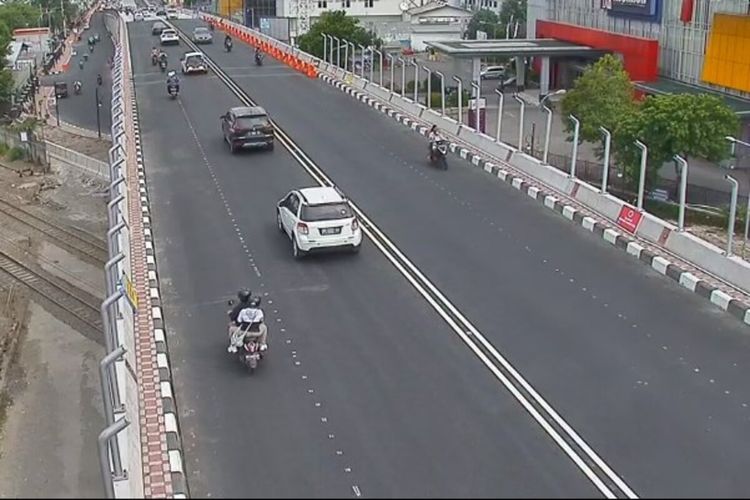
[
  {"x": 255, "y": 302},
  {"x": 244, "y": 295}
]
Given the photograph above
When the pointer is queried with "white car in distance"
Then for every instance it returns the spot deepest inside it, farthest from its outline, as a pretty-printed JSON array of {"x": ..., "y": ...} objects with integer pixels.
[
  {"x": 318, "y": 218},
  {"x": 193, "y": 62},
  {"x": 169, "y": 36}
]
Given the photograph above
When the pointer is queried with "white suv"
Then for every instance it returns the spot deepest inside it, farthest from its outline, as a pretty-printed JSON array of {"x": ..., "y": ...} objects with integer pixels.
[
  {"x": 492, "y": 73},
  {"x": 168, "y": 35},
  {"x": 318, "y": 218}
]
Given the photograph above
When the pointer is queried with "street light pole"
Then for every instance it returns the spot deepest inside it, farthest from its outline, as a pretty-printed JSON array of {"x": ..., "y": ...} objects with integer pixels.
[
  {"x": 683, "y": 191},
  {"x": 501, "y": 101},
  {"x": 642, "y": 177},
  {"x": 403, "y": 75},
  {"x": 477, "y": 96},
  {"x": 57, "y": 106},
  {"x": 372, "y": 61},
  {"x": 460, "y": 99},
  {"x": 346, "y": 55},
  {"x": 380, "y": 60},
  {"x": 732, "y": 212},
  {"x": 547, "y": 132},
  {"x": 574, "y": 159},
  {"x": 429, "y": 86},
  {"x": 98, "y": 119},
  {"x": 393, "y": 68},
  {"x": 338, "y": 51},
  {"x": 522, "y": 103},
  {"x": 605, "y": 169},
  {"x": 362, "y": 64},
  {"x": 442, "y": 92},
  {"x": 416, "y": 81}
]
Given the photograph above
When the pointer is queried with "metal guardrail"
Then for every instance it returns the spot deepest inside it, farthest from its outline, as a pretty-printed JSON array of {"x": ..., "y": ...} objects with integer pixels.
[
  {"x": 77, "y": 160},
  {"x": 120, "y": 443}
]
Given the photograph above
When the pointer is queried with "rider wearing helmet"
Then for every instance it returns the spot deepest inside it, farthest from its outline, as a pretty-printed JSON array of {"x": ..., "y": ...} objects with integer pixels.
[
  {"x": 227, "y": 40},
  {"x": 244, "y": 297}
]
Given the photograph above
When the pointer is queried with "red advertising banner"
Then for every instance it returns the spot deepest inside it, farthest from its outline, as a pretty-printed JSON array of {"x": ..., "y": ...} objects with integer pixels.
[{"x": 629, "y": 219}]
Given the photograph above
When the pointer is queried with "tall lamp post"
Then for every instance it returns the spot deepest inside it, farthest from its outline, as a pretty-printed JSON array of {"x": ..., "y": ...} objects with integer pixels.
[
  {"x": 548, "y": 110},
  {"x": 460, "y": 99},
  {"x": 98, "y": 119},
  {"x": 442, "y": 92},
  {"x": 734, "y": 141}
]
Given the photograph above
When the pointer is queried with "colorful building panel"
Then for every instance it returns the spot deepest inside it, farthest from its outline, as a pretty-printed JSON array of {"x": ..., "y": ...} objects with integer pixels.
[
  {"x": 727, "y": 60},
  {"x": 640, "y": 55}
]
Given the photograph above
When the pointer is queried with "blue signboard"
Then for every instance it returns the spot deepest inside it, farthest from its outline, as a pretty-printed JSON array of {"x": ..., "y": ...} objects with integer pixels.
[{"x": 645, "y": 10}]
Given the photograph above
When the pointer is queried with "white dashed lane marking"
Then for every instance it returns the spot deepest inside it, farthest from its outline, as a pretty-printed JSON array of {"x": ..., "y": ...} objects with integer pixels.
[{"x": 251, "y": 261}]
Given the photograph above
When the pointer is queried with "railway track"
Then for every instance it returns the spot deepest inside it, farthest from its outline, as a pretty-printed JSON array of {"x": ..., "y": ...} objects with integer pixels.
[
  {"x": 81, "y": 308},
  {"x": 77, "y": 241}
]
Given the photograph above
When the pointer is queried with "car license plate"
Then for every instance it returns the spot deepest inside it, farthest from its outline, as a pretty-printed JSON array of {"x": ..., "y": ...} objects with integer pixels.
[{"x": 330, "y": 230}]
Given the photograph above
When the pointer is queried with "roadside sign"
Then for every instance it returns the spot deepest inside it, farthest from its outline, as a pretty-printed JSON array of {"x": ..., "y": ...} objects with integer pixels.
[
  {"x": 130, "y": 291},
  {"x": 629, "y": 219}
]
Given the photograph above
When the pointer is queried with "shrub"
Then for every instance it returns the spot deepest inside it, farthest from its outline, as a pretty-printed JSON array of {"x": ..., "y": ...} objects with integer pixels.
[{"x": 16, "y": 153}]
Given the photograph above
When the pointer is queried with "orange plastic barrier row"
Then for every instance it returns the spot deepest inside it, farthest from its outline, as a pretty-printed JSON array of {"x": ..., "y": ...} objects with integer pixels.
[{"x": 287, "y": 58}]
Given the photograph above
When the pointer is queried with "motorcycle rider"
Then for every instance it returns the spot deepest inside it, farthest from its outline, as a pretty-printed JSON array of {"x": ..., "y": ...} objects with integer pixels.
[
  {"x": 77, "y": 86},
  {"x": 252, "y": 322},
  {"x": 244, "y": 297},
  {"x": 434, "y": 136},
  {"x": 99, "y": 79},
  {"x": 154, "y": 55},
  {"x": 258, "y": 55},
  {"x": 173, "y": 80},
  {"x": 227, "y": 42}
]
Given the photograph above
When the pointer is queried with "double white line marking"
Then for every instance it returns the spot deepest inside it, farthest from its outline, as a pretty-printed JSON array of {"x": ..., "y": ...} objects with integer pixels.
[{"x": 585, "y": 458}]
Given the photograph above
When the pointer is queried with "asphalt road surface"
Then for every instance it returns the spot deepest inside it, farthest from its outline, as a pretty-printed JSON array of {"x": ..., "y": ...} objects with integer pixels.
[
  {"x": 366, "y": 389},
  {"x": 80, "y": 110}
]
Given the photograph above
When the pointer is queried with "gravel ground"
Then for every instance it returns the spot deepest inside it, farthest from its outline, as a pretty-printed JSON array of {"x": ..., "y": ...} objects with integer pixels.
[{"x": 51, "y": 411}]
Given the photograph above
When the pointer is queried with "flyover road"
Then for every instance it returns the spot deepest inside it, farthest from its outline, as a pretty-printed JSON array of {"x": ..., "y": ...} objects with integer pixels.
[
  {"x": 650, "y": 376},
  {"x": 80, "y": 110},
  {"x": 364, "y": 391}
]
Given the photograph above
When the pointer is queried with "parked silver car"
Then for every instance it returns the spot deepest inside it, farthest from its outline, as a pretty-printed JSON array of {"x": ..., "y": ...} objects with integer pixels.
[{"x": 202, "y": 35}]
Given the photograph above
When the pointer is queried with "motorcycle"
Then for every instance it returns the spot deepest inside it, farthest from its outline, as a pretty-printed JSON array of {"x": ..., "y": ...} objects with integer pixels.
[
  {"x": 77, "y": 88},
  {"x": 228, "y": 46},
  {"x": 438, "y": 153},
  {"x": 163, "y": 65},
  {"x": 249, "y": 353},
  {"x": 258, "y": 59}
]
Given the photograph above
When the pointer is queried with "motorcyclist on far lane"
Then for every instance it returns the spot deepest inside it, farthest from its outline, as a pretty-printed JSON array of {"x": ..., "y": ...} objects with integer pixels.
[{"x": 434, "y": 136}]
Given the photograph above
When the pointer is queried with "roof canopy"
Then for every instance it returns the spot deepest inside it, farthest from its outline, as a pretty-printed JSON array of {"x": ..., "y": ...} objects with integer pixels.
[
  {"x": 513, "y": 47},
  {"x": 666, "y": 86}
]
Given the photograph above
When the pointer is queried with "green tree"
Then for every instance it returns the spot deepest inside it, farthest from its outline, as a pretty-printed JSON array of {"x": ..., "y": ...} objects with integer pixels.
[
  {"x": 18, "y": 14},
  {"x": 513, "y": 10},
  {"x": 600, "y": 97},
  {"x": 484, "y": 20},
  {"x": 691, "y": 125},
  {"x": 336, "y": 23},
  {"x": 6, "y": 77}
]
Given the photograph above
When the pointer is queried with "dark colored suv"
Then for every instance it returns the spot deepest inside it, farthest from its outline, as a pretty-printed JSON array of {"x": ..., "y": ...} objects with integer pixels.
[
  {"x": 158, "y": 27},
  {"x": 247, "y": 127}
]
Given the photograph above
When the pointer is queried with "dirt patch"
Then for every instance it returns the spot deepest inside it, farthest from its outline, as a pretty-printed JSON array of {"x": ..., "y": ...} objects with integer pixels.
[
  {"x": 95, "y": 148},
  {"x": 48, "y": 369}
]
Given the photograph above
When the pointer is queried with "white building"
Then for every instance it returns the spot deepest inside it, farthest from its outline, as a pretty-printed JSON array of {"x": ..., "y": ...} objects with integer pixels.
[
  {"x": 436, "y": 22},
  {"x": 397, "y": 22}
]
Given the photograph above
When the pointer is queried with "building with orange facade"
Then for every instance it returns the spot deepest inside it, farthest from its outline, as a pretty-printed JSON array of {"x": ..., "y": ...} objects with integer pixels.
[{"x": 667, "y": 46}]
